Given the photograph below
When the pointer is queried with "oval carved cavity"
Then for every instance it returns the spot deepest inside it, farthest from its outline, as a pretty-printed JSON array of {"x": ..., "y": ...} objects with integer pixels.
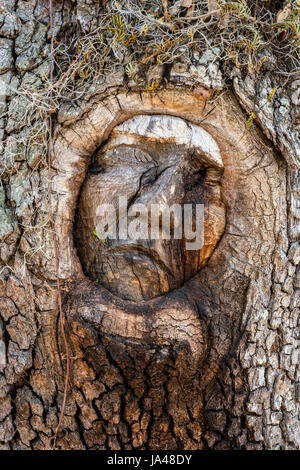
[{"x": 152, "y": 170}]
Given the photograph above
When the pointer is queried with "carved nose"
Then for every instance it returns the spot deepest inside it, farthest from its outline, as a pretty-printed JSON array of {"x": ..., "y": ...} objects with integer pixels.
[{"x": 163, "y": 186}]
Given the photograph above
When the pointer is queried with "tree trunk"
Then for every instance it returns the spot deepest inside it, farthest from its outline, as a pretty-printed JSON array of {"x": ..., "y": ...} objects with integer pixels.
[{"x": 205, "y": 358}]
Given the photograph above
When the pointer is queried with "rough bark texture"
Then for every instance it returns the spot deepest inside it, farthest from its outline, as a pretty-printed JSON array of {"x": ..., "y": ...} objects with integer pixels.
[
  {"x": 149, "y": 167},
  {"x": 212, "y": 364}
]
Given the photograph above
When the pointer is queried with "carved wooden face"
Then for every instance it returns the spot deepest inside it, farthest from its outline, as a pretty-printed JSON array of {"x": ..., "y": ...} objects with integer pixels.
[{"x": 154, "y": 162}]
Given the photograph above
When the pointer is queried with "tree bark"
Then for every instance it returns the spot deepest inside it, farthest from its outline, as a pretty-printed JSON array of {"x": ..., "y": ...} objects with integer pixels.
[{"x": 211, "y": 364}]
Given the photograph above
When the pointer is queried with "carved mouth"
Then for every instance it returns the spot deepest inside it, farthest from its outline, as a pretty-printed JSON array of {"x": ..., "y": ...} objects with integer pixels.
[{"x": 133, "y": 249}]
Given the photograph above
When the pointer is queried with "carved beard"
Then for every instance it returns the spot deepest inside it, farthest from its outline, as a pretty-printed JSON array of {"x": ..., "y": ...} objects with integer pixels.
[{"x": 154, "y": 161}]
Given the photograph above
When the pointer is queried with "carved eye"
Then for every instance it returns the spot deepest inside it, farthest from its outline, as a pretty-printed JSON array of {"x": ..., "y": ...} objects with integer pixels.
[{"x": 150, "y": 161}]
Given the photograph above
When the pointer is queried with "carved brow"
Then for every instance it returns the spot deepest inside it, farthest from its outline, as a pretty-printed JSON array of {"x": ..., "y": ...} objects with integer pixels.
[{"x": 171, "y": 129}]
